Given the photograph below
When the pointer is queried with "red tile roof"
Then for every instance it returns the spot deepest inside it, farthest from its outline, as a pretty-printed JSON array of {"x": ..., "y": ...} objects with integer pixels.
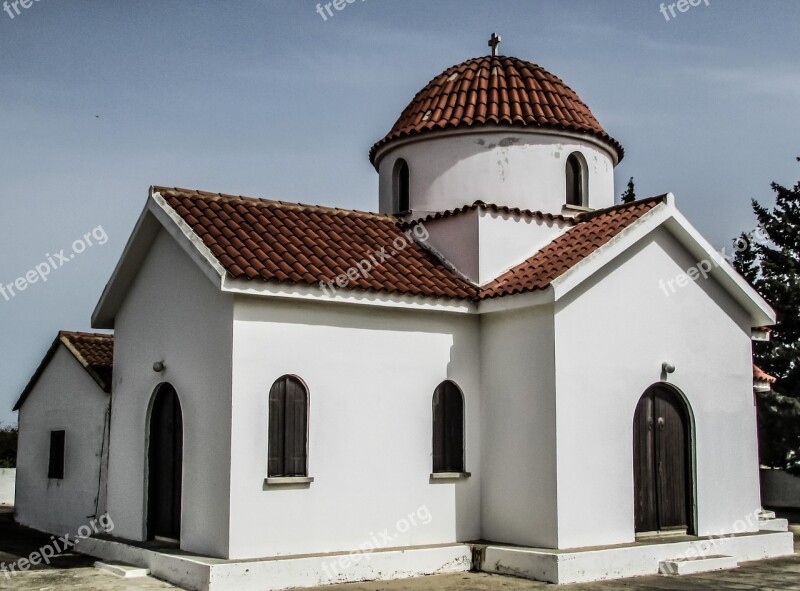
[
  {"x": 591, "y": 231},
  {"x": 303, "y": 244},
  {"x": 94, "y": 351},
  {"x": 490, "y": 207},
  {"x": 496, "y": 91},
  {"x": 274, "y": 241},
  {"x": 761, "y": 376}
]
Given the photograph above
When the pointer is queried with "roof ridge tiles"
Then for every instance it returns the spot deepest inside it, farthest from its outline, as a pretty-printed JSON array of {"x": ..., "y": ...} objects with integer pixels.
[
  {"x": 490, "y": 206},
  {"x": 280, "y": 204}
]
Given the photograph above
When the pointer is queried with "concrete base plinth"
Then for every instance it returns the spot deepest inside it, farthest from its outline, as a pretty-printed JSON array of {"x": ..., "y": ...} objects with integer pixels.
[
  {"x": 629, "y": 560},
  {"x": 198, "y": 573}
]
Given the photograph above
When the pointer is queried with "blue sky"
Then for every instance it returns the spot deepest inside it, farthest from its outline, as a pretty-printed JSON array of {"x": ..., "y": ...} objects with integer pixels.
[{"x": 99, "y": 100}]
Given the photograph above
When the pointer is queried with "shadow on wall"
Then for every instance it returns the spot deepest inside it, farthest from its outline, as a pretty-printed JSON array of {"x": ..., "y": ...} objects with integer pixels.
[{"x": 780, "y": 490}]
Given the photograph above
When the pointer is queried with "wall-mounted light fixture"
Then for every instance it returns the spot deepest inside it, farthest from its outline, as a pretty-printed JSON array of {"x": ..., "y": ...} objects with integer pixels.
[
  {"x": 667, "y": 367},
  {"x": 159, "y": 366}
]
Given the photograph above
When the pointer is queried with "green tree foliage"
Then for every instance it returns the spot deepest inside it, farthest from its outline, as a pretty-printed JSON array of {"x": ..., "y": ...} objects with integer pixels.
[
  {"x": 771, "y": 262},
  {"x": 630, "y": 193},
  {"x": 8, "y": 447}
]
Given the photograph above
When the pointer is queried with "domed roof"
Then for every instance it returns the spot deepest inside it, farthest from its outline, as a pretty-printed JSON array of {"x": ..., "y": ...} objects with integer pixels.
[{"x": 496, "y": 90}]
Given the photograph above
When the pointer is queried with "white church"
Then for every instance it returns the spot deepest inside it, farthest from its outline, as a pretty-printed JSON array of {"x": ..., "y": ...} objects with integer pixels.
[{"x": 500, "y": 370}]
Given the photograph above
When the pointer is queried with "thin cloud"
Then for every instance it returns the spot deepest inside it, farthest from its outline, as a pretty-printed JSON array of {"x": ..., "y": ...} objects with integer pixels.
[{"x": 775, "y": 81}]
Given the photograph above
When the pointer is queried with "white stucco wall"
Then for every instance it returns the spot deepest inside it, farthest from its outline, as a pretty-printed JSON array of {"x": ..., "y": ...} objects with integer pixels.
[
  {"x": 371, "y": 374},
  {"x": 612, "y": 335},
  {"x": 64, "y": 398},
  {"x": 518, "y": 503},
  {"x": 482, "y": 244},
  {"x": 8, "y": 478},
  {"x": 173, "y": 313},
  {"x": 506, "y": 240},
  {"x": 504, "y": 166}
]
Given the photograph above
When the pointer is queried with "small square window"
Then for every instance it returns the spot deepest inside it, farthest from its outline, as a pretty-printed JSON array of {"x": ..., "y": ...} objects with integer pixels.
[{"x": 56, "y": 466}]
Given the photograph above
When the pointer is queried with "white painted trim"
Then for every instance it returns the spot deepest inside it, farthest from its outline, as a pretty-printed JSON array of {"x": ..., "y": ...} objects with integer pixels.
[
  {"x": 186, "y": 237},
  {"x": 663, "y": 214},
  {"x": 760, "y": 335},
  {"x": 288, "y": 480},
  {"x": 450, "y": 475},
  {"x": 386, "y": 149},
  {"x": 528, "y": 299},
  {"x": 667, "y": 215},
  {"x": 602, "y": 256},
  {"x": 575, "y": 209},
  {"x": 144, "y": 232},
  {"x": 258, "y": 288}
]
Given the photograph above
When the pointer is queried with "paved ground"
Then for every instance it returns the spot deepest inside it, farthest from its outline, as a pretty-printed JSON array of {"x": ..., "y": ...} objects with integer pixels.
[
  {"x": 73, "y": 572},
  {"x": 68, "y": 572}
]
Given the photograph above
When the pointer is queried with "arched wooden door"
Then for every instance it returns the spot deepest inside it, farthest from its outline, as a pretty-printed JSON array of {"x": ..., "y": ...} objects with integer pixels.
[
  {"x": 662, "y": 462},
  {"x": 165, "y": 462}
]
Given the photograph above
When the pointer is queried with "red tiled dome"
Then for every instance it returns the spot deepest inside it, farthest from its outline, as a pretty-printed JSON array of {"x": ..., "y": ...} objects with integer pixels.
[{"x": 496, "y": 91}]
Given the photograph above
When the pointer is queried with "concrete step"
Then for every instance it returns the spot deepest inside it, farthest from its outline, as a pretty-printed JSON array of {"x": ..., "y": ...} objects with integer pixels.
[
  {"x": 773, "y": 525},
  {"x": 690, "y": 566},
  {"x": 122, "y": 570},
  {"x": 766, "y": 515}
]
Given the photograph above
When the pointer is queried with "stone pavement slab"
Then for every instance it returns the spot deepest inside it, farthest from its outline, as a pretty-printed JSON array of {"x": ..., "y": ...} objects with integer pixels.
[{"x": 73, "y": 572}]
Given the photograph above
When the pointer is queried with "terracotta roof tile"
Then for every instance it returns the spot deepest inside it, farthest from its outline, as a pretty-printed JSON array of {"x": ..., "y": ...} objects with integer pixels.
[
  {"x": 95, "y": 352},
  {"x": 761, "y": 376},
  {"x": 592, "y": 230},
  {"x": 499, "y": 91},
  {"x": 490, "y": 207},
  {"x": 303, "y": 244},
  {"x": 275, "y": 241}
]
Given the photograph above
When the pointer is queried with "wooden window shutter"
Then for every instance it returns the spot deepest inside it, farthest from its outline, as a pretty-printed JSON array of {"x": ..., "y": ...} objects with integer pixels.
[
  {"x": 288, "y": 428},
  {"x": 297, "y": 431},
  {"x": 438, "y": 431},
  {"x": 277, "y": 420},
  {"x": 448, "y": 428},
  {"x": 55, "y": 468}
]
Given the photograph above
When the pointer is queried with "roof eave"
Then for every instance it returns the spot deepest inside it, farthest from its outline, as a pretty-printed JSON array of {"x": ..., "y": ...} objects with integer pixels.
[
  {"x": 157, "y": 215},
  {"x": 667, "y": 215}
]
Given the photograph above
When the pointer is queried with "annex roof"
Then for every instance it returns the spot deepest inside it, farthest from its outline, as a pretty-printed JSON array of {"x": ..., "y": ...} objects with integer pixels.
[{"x": 94, "y": 351}]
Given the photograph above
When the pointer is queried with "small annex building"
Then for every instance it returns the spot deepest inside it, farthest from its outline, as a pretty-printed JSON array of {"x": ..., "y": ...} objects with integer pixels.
[{"x": 62, "y": 451}]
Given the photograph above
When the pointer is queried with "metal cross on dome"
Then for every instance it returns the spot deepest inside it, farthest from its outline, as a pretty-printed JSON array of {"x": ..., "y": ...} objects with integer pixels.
[{"x": 494, "y": 43}]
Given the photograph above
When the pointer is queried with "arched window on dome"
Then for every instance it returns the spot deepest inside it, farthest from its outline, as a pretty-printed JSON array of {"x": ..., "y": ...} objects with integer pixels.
[
  {"x": 577, "y": 180},
  {"x": 402, "y": 187}
]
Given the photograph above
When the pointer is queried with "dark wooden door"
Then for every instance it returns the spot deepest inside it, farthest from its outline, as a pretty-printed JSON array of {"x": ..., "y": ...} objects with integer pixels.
[
  {"x": 662, "y": 466},
  {"x": 165, "y": 461}
]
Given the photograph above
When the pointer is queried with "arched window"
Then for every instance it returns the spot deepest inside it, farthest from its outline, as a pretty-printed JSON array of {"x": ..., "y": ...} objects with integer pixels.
[
  {"x": 576, "y": 180},
  {"x": 288, "y": 428},
  {"x": 402, "y": 186},
  {"x": 448, "y": 429}
]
